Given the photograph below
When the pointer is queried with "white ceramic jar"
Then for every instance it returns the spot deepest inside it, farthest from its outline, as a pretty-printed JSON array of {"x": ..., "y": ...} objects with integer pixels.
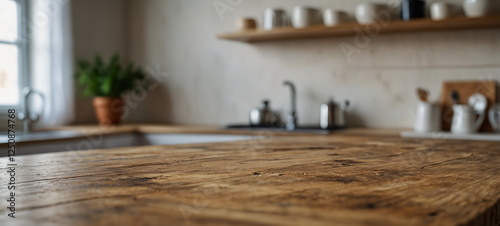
[
  {"x": 428, "y": 118},
  {"x": 368, "y": 13},
  {"x": 274, "y": 18},
  {"x": 477, "y": 8},
  {"x": 332, "y": 18},
  {"x": 442, "y": 10},
  {"x": 305, "y": 16}
]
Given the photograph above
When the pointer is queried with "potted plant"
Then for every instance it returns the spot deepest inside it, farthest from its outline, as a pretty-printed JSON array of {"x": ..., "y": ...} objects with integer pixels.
[{"x": 107, "y": 83}]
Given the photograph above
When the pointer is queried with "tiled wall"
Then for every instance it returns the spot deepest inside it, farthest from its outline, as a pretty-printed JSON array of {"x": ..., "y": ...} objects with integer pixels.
[{"x": 217, "y": 82}]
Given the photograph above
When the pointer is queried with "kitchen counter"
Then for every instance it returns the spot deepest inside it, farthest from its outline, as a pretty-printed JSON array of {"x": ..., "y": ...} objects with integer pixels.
[
  {"x": 197, "y": 129},
  {"x": 358, "y": 177}
]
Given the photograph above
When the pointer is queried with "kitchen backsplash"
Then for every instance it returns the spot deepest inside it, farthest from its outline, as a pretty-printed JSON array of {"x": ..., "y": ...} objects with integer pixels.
[{"x": 212, "y": 81}]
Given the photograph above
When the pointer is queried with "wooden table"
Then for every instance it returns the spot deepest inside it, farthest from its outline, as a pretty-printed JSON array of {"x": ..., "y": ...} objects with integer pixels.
[{"x": 301, "y": 180}]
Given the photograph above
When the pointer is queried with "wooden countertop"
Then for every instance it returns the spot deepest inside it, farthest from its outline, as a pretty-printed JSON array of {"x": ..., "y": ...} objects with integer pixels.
[{"x": 299, "y": 180}]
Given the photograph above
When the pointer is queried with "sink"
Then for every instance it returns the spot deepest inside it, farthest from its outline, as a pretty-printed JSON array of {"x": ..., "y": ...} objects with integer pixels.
[
  {"x": 312, "y": 129},
  {"x": 39, "y": 136},
  {"x": 69, "y": 140}
]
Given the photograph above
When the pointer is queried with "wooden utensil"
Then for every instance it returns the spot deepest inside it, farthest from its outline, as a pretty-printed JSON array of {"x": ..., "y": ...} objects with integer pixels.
[
  {"x": 455, "y": 97},
  {"x": 423, "y": 94},
  {"x": 465, "y": 89}
]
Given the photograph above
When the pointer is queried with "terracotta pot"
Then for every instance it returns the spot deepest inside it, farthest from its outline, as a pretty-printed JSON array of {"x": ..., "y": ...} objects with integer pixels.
[{"x": 108, "y": 110}]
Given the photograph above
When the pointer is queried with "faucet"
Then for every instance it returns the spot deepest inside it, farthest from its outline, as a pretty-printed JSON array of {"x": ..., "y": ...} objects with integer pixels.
[
  {"x": 26, "y": 117},
  {"x": 291, "y": 118}
]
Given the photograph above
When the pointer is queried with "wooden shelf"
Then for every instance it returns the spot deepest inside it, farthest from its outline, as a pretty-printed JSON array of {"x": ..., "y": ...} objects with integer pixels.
[{"x": 349, "y": 29}]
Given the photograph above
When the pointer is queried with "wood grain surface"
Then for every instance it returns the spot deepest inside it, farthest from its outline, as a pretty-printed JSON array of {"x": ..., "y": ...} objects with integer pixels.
[{"x": 321, "y": 180}]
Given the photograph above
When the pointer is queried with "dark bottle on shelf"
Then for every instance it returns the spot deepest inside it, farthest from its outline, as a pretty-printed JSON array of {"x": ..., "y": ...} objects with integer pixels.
[{"x": 412, "y": 9}]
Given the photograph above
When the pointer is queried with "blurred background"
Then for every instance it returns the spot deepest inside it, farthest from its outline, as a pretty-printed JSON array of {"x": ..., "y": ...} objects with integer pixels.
[{"x": 210, "y": 81}]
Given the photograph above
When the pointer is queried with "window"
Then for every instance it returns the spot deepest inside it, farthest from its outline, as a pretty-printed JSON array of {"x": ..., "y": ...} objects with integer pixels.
[{"x": 13, "y": 53}]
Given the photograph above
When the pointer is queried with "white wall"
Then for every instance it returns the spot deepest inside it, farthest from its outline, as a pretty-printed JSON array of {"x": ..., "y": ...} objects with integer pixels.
[{"x": 217, "y": 82}]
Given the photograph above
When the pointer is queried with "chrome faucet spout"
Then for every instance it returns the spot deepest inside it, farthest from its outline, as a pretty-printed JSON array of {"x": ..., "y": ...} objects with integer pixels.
[
  {"x": 26, "y": 116},
  {"x": 293, "y": 99},
  {"x": 291, "y": 119}
]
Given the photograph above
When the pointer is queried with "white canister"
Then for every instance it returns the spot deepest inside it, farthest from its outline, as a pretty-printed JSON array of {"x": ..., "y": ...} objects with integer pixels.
[
  {"x": 368, "y": 13},
  {"x": 477, "y": 8},
  {"x": 442, "y": 10},
  {"x": 274, "y": 18},
  {"x": 332, "y": 18},
  {"x": 428, "y": 118},
  {"x": 305, "y": 16}
]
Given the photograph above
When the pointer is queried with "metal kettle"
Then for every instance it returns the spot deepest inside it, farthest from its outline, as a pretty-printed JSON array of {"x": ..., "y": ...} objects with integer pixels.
[
  {"x": 332, "y": 115},
  {"x": 264, "y": 116},
  {"x": 341, "y": 116}
]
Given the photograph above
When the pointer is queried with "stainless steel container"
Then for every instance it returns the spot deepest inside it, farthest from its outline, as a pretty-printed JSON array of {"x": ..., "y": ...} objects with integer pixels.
[
  {"x": 332, "y": 115},
  {"x": 264, "y": 116},
  {"x": 275, "y": 18},
  {"x": 340, "y": 114},
  {"x": 327, "y": 115}
]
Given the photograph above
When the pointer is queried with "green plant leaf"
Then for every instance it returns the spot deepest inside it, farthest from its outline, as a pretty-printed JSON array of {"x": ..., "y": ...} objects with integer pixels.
[{"x": 111, "y": 79}]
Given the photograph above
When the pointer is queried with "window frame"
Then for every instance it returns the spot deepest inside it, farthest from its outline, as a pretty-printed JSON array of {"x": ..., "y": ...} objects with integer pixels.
[{"x": 22, "y": 44}]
